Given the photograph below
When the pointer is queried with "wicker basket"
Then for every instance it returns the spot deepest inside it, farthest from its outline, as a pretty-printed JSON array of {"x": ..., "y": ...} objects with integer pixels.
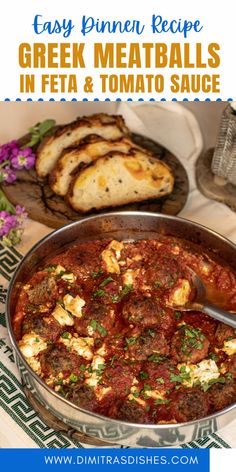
[{"x": 224, "y": 158}]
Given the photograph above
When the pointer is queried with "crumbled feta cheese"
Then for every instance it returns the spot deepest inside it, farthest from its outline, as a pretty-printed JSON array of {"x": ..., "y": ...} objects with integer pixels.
[
  {"x": 129, "y": 276},
  {"x": 203, "y": 372},
  {"x": 69, "y": 277},
  {"x": 101, "y": 392},
  {"x": 58, "y": 270},
  {"x": 81, "y": 345},
  {"x": 94, "y": 378},
  {"x": 180, "y": 296},
  {"x": 155, "y": 394},
  {"x": 111, "y": 255},
  {"x": 230, "y": 347},
  {"x": 102, "y": 350},
  {"x": 34, "y": 364},
  {"x": 175, "y": 250},
  {"x": 74, "y": 304},
  {"x": 62, "y": 316},
  {"x": 31, "y": 345}
]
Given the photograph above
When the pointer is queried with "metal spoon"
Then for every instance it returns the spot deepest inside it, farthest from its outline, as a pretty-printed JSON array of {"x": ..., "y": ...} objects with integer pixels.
[{"x": 201, "y": 303}]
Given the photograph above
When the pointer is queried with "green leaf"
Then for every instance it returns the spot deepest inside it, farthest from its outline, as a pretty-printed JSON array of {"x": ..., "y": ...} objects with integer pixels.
[
  {"x": 33, "y": 141},
  {"x": 45, "y": 127},
  {"x": 5, "y": 205}
]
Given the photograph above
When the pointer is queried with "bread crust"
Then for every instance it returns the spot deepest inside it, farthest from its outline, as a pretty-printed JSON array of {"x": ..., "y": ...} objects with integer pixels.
[{"x": 70, "y": 134}]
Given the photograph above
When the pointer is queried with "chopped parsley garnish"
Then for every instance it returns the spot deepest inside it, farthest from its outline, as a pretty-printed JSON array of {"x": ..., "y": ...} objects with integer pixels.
[
  {"x": 161, "y": 401},
  {"x": 193, "y": 339},
  {"x": 97, "y": 274},
  {"x": 229, "y": 376},
  {"x": 183, "y": 375},
  {"x": 178, "y": 315},
  {"x": 156, "y": 358},
  {"x": 60, "y": 302},
  {"x": 58, "y": 382},
  {"x": 100, "y": 369},
  {"x": 74, "y": 378},
  {"x": 98, "y": 293},
  {"x": 125, "y": 291},
  {"x": 65, "y": 335},
  {"x": 82, "y": 367},
  {"x": 146, "y": 387},
  {"x": 143, "y": 375},
  {"x": 106, "y": 281},
  {"x": 131, "y": 341},
  {"x": 135, "y": 394},
  {"x": 112, "y": 360},
  {"x": 213, "y": 356},
  {"x": 97, "y": 326},
  {"x": 36, "y": 340},
  {"x": 208, "y": 385},
  {"x": 160, "y": 380},
  {"x": 175, "y": 378},
  {"x": 151, "y": 333},
  {"x": 157, "y": 284},
  {"x": 51, "y": 268}
]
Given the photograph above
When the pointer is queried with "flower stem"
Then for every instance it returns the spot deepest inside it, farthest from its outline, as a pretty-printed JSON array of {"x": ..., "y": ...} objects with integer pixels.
[
  {"x": 4, "y": 164},
  {"x": 5, "y": 205}
]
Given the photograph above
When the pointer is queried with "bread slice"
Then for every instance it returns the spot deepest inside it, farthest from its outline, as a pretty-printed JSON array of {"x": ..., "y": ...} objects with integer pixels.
[
  {"x": 117, "y": 179},
  {"x": 108, "y": 126},
  {"x": 73, "y": 159}
]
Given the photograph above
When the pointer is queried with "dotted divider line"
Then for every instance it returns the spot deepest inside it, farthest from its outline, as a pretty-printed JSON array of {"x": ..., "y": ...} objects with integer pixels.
[{"x": 117, "y": 100}]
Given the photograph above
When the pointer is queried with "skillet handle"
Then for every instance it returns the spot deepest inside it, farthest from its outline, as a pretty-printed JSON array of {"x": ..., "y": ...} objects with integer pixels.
[{"x": 220, "y": 314}]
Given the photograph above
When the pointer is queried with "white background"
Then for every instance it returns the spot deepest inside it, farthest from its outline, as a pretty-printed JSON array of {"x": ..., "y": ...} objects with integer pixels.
[{"x": 217, "y": 18}]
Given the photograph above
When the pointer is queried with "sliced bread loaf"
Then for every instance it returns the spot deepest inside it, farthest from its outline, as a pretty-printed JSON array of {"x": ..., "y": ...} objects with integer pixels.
[
  {"x": 117, "y": 179},
  {"x": 73, "y": 159},
  {"x": 107, "y": 126}
]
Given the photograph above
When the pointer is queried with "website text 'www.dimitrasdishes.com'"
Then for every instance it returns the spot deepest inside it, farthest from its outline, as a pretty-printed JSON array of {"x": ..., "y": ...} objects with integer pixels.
[{"x": 120, "y": 460}]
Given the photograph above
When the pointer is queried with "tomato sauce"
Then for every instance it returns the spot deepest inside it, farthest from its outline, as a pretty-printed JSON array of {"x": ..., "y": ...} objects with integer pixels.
[{"x": 98, "y": 324}]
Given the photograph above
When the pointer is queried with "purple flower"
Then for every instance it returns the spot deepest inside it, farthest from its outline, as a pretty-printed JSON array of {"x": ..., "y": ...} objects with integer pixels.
[
  {"x": 7, "y": 222},
  {"x": 6, "y": 150},
  {"x": 21, "y": 214},
  {"x": 7, "y": 175},
  {"x": 22, "y": 158}
]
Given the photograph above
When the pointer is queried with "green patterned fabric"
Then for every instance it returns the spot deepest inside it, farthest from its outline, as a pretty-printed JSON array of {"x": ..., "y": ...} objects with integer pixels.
[{"x": 17, "y": 415}]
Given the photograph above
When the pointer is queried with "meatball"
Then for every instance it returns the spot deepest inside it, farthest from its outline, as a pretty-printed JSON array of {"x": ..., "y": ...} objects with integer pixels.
[
  {"x": 83, "y": 396},
  {"x": 231, "y": 365},
  {"x": 145, "y": 311},
  {"x": 222, "y": 395},
  {"x": 44, "y": 326},
  {"x": 120, "y": 378},
  {"x": 223, "y": 333},
  {"x": 189, "y": 344},
  {"x": 44, "y": 291},
  {"x": 160, "y": 375},
  {"x": 130, "y": 411},
  {"x": 201, "y": 321},
  {"x": 148, "y": 343},
  {"x": 97, "y": 316},
  {"x": 163, "y": 271},
  {"x": 189, "y": 404},
  {"x": 82, "y": 259},
  {"x": 56, "y": 359}
]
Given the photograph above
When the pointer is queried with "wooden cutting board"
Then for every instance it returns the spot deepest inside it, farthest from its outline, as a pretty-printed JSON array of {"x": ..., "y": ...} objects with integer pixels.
[{"x": 45, "y": 207}]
